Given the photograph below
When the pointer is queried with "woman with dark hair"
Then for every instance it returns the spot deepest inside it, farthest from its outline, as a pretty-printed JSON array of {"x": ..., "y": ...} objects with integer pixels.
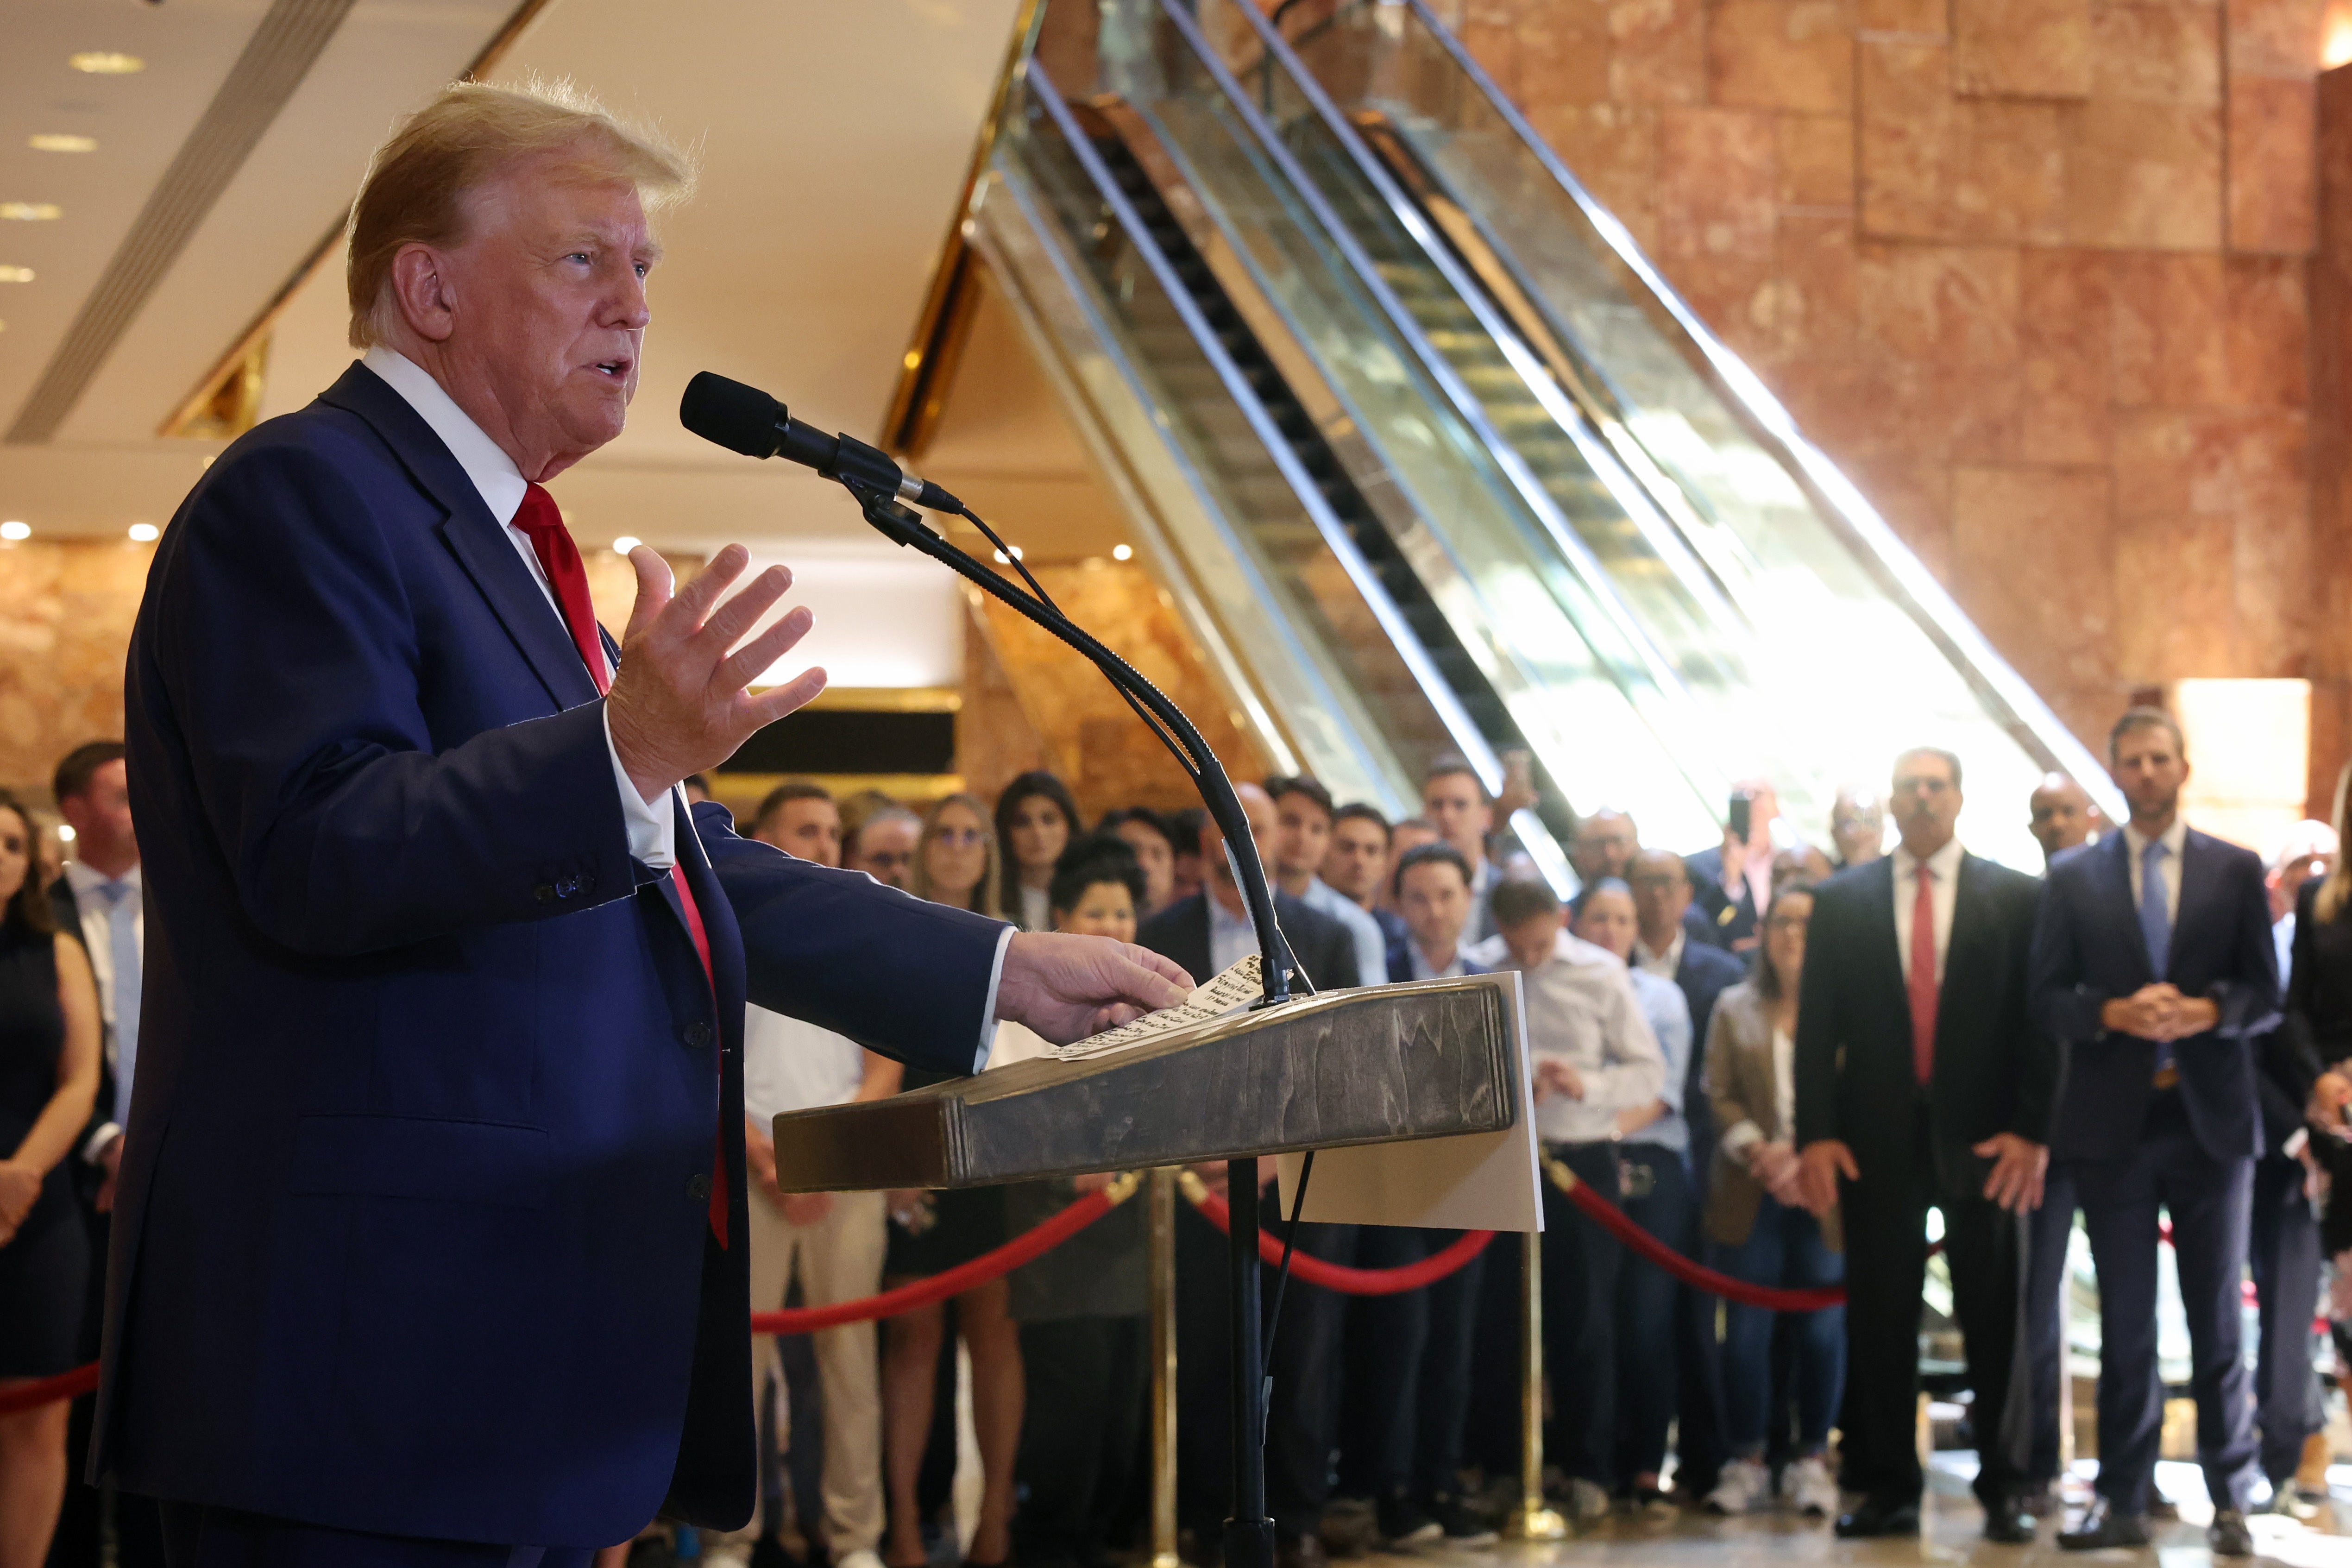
[
  {"x": 1036, "y": 818},
  {"x": 1083, "y": 1308},
  {"x": 1761, "y": 1228},
  {"x": 49, "y": 1081},
  {"x": 931, "y": 1233}
]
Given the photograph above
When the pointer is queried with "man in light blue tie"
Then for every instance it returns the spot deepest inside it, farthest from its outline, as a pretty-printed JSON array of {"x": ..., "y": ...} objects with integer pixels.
[
  {"x": 2153, "y": 962},
  {"x": 99, "y": 899}
]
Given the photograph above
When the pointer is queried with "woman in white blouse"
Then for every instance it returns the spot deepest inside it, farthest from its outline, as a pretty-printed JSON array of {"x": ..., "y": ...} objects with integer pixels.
[{"x": 1760, "y": 1231}]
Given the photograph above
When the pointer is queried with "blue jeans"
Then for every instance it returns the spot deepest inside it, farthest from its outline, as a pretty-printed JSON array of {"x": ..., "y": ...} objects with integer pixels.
[
  {"x": 1784, "y": 1249},
  {"x": 1656, "y": 1194}
]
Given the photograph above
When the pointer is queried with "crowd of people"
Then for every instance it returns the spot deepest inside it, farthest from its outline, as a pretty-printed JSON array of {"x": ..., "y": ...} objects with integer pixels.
[{"x": 1775, "y": 1057}]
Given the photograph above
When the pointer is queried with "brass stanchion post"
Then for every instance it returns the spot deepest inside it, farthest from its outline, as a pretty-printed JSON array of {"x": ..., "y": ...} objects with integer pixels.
[
  {"x": 1531, "y": 1521},
  {"x": 1162, "y": 1195}
]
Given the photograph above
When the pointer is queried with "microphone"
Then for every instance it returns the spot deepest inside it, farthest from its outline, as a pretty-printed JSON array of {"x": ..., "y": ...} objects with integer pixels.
[{"x": 747, "y": 420}]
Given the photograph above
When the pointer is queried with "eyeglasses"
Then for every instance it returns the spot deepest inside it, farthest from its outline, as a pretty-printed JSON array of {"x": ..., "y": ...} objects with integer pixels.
[
  {"x": 962, "y": 838},
  {"x": 1786, "y": 922}
]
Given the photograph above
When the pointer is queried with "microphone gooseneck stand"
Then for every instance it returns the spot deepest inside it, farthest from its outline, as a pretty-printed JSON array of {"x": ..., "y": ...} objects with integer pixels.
[{"x": 1249, "y": 1533}]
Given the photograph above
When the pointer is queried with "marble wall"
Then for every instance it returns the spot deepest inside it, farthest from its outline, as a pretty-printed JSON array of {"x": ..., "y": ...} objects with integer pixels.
[
  {"x": 2034, "y": 271},
  {"x": 65, "y": 609}
]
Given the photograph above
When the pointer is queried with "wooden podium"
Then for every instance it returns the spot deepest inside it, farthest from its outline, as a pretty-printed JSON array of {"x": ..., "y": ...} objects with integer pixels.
[{"x": 1375, "y": 1065}]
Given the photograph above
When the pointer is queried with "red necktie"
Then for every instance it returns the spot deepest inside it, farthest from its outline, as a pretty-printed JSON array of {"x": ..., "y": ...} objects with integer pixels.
[
  {"x": 1923, "y": 977},
  {"x": 542, "y": 522}
]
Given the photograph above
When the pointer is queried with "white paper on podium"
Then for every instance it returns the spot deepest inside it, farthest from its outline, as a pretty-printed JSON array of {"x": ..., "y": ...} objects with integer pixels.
[{"x": 1480, "y": 1181}]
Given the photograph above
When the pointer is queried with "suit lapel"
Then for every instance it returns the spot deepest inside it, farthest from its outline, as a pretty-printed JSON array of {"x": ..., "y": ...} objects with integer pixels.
[
  {"x": 1970, "y": 928},
  {"x": 475, "y": 536},
  {"x": 2115, "y": 882},
  {"x": 1877, "y": 889}
]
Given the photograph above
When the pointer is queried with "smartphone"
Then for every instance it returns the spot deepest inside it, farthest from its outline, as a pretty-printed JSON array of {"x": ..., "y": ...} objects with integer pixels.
[{"x": 1737, "y": 818}]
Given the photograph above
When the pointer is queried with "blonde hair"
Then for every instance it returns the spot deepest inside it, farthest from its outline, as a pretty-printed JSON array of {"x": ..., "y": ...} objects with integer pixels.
[
  {"x": 983, "y": 895},
  {"x": 416, "y": 185},
  {"x": 2336, "y": 891}
]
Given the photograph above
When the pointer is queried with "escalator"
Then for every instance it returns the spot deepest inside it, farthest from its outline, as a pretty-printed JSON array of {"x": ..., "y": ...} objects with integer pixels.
[{"x": 1431, "y": 462}]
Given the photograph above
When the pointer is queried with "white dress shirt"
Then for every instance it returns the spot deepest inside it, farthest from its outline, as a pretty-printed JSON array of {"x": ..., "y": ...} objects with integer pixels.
[
  {"x": 1581, "y": 1010},
  {"x": 652, "y": 830},
  {"x": 98, "y": 940},
  {"x": 1667, "y": 1011},
  {"x": 2136, "y": 845},
  {"x": 1665, "y": 965},
  {"x": 1944, "y": 868},
  {"x": 790, "y": 1065},
  {"x": 1231, "y": 938},
  {"x": 652, "y": 827},
  {"x": 1371, "y": 947},
  {"x": 1425, "y": 970}
]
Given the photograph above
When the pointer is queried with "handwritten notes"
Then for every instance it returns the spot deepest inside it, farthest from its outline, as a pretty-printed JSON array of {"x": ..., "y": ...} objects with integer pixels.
[{"x": 1231, "y": 992}]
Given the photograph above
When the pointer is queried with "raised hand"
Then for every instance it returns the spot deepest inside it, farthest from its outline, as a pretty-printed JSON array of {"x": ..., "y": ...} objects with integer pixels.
[
  {"x": 1066, "y": 987},
  {"x": 680, "y": 703}
]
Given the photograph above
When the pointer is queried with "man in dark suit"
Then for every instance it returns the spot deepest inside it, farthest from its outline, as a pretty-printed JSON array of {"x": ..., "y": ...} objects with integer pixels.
[
  {"x": 1208, "y": 933},
  {"x": 2152, "y": 962},
  {"x": 1666, "y": 945},
  {"x": 429, "y": 1245},
  {"x": 98, "y": 900},
  {"x": 1922, "y": 1081}
]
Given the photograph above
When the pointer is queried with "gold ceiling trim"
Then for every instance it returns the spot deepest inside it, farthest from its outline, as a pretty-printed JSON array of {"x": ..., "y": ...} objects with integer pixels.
[
  {"x": 233, "y": 384},
  {"x": 927, "y": 367}
]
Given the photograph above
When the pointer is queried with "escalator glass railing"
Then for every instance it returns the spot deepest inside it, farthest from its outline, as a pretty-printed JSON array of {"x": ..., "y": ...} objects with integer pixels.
[{"x": 1843, "y": 644}]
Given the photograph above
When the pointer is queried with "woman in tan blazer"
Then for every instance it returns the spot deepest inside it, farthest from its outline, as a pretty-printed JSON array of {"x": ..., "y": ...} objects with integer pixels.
[{"x": 1759, "y": 1229}]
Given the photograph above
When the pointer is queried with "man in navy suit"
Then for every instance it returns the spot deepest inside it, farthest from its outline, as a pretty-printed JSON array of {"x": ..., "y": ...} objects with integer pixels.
[
  {"x": 430, "y": 1242},
  {"x": 1665, "y": 944},
  {"x": 2152, "y": 962}
]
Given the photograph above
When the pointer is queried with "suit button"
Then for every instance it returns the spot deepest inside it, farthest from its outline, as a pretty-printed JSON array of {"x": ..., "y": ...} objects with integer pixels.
[
  {"x": 698, "y": 1186},
  {"x": 544, "y": 892},
  {"x": 696, "y": 1034},
  {"x": 566, "y": 887}
]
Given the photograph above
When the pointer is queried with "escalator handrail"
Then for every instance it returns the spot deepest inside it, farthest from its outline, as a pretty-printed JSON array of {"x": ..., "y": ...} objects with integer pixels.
[
  {"x": 1436, "y": 687},
  {"x": 1883, "y": 555},
  {"x": 1633, "y": 497},
  {"x": 1525, "y": 484},
  {"x": 1262, "y": 424}
]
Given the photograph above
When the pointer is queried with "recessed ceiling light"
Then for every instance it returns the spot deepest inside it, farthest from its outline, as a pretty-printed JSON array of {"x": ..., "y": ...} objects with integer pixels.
[
  {"x": 31, "y": 212},
  {"x": 106, "y": 62},
  {"x": 146, "y": 533},
  {"x": 60, "y": 142},
  {"x": 16, "y": 275},
  {"x": 13, "y": 529},
  {"x": 626, "y": 543},
  {"x": 1121, "y": 551}
]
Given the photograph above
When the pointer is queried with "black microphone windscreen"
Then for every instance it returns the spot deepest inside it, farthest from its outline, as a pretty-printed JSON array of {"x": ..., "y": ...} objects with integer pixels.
[{"x": 739, "y": 417}]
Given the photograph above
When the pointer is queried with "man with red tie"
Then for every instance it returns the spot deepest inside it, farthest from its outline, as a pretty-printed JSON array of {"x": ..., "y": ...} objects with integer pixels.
[
  {"x": 1922, "y": 1082},
  {"x": 429, "y": 1244}
]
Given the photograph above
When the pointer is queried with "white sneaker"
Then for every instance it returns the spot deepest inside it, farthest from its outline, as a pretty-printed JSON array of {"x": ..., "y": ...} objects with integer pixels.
[
  {"x": 1809, "y": 1489},
  {"x": 726, "y": 1554},
  {"x": 1743, "y": 1487},
  {"x": 863, "y": 1557}
]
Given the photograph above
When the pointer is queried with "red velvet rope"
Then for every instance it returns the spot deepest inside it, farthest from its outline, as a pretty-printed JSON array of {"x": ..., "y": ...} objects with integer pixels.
[
  {"x": 954, "y": 1281},
  {"x": 1336, "y": 1276},
  {"x": 1617, "y": 1223},
  {"x": 65, "y": 1385},
  {"x": 1021, "y": 1249}
]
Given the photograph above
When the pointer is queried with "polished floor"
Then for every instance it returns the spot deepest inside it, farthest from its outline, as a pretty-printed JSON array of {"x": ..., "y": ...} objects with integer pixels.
[{"x": 1951, "y": 1537}]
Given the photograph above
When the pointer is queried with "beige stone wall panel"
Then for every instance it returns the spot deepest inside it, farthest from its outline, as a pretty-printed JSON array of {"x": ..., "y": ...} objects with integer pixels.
[
  {"x": 1794, "y": 55},
  {"x": 2274, "y": 183},
  {"x": 2022, "y": 48}
]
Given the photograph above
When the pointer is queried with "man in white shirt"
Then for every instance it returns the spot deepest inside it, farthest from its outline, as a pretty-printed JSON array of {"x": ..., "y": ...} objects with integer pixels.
[
  {"x": 1302, "y": 841},
  {"x": 1596, "y": 1060},
  {"x": 836, "y": 1240}
]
